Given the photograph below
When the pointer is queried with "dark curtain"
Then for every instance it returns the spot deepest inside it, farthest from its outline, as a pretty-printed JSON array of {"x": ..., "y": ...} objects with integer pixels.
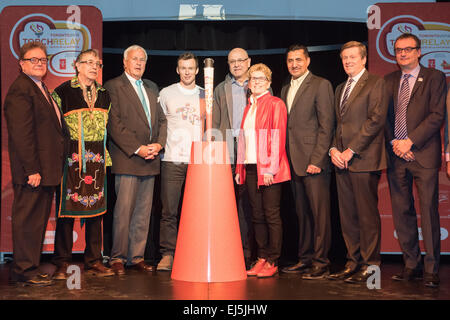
[{"x": 220, "y": 37}]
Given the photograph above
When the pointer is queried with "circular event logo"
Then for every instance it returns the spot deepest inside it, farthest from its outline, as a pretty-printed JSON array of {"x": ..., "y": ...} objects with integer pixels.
[
  {"x": 63, "y": 43},
  {"x": 434, "y": 36}
]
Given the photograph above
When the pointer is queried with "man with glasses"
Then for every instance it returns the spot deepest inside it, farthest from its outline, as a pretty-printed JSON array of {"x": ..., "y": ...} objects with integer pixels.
[
  {"x": 230, "y": 99},
  {"x": 415, "y": 115},
  {"x": 37, "y": 136},
  {"x": 137, "y": 128}
]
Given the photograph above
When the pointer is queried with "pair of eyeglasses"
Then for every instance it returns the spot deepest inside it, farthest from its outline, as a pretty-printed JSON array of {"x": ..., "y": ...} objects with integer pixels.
[
  {"x": 36, "y": 60},
  {"x": 258, "y": 79},
  {"x": 238, "y": 61},
  {"x": 92, "y": 63},
  {"x": 407, "y": 49}
]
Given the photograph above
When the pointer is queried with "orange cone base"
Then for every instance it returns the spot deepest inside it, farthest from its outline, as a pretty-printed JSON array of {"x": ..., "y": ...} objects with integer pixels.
[{"x": 209, "y": 247}]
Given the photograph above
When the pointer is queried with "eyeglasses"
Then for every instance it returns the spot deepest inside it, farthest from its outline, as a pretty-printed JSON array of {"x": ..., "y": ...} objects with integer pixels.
[
  {"x": 238, "y": 61},
  {"x": 92, "y": 63},
  {"x": 37, "y": 60},
  {"x": 407, "y": 49},
  {"x": 258, "y": 79}
]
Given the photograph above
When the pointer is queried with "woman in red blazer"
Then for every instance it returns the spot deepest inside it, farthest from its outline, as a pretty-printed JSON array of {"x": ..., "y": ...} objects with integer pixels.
[{"x": 262, "y": 165}]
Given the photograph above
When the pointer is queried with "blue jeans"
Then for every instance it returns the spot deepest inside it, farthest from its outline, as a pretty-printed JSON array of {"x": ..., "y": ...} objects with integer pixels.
[{"x": 131, "y": 217}]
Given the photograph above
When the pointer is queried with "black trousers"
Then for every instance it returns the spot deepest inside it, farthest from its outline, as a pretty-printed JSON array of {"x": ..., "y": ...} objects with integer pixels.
[
  {"x": 30, "y": 212},
  {"x": 312, "y": 204},
  {"x": 360, "y": 219},
  {"x": 265, "y": 203},
  {"x": 64, "y": 241},
  {"x": 400, "y": 179}
]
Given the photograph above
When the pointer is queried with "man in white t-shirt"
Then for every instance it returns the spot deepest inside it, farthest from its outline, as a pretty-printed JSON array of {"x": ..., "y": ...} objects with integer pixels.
[{"x": 181, "y": 105}]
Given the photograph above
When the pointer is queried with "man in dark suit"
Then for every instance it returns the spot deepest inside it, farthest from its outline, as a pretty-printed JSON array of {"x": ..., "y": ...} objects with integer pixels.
[
  {"x": 416, "y": 112},
  {"x": 138, "y": 129},
  {"x": 309, "y": 100},
  {"x": 37, "y": 138},
  {"x": 359, "y": 156}
]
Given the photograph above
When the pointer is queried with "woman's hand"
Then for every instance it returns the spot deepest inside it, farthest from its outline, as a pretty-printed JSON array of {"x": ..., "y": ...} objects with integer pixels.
[{"x": 268, "y": 179}]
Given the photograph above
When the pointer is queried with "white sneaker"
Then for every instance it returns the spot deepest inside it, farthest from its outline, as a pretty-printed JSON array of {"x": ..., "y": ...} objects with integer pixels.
[{"x": 166, "y": 263}]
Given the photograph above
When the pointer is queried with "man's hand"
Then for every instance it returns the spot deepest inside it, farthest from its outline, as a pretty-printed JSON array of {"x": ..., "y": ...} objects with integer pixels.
[
  {"x": 401, "y": 147},
  {"x": 347, "y": 155},
  {"x": 236, "y": 178},
  {"x": 312, "y": 169},
  {"x": 448, "y": 170},
  {"x": 34, "y": 180},
  {"x": 153, "y": 149},
  {"x": 144, "y": 151},
  {"x": 336, "y": 158},
  {"x": 409, "y": 156}
]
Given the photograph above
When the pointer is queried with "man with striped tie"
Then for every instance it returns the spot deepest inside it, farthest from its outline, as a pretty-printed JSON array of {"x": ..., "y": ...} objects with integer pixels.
[
  {"x": 359, "y": 155},
  {"x": 415, "y": 115}
]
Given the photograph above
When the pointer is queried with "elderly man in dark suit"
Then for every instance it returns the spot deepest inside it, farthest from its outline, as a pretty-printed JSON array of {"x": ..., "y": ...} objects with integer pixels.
[
  {"x": 309, "y": 100},
  {"x": 37, "y": 141},
  {"x": 416, "y": 112},
  {"x": 138, "y": 129},
  {"x": 359, "y": 155}
]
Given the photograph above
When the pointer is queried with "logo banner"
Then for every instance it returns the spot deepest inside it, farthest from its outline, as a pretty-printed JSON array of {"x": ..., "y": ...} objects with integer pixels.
[
  {"x": 66, "y": 31},
  {"x": 430, "y": 22}
]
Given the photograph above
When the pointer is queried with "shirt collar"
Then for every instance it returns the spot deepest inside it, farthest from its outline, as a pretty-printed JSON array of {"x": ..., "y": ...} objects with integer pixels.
[
  {"x": 299, "y": 79},
  {"x": 414, "y": 73},
  {"x": 132, "y": 80},
  {"x": 234, "y": 81}
]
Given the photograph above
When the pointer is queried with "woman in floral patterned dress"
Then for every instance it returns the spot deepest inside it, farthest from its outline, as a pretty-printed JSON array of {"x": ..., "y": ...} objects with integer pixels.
[{"x": 85, "y": 105}]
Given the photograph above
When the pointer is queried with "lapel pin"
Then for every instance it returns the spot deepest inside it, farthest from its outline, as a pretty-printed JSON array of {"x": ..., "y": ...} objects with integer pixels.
[{"x": 420, "y": 79}]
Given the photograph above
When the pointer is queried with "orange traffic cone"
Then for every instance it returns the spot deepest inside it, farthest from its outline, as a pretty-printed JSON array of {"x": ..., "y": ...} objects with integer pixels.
[{"x": 209, "y": 247}]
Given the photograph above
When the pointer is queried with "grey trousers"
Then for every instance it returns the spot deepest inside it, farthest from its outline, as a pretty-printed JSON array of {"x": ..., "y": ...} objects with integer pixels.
[{"x": 131, "y": 217}]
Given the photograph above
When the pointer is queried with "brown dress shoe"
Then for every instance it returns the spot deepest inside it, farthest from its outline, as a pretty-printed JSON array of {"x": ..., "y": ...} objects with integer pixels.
[
  {"x": 141, "y": 267},
  {"x": 61, "y": 272},
  {"x": 99, "y": 270},
  {"x": 117, "y": 268}
]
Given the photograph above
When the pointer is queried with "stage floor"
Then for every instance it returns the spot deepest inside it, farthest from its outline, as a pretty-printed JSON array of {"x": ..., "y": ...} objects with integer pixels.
[{"x": 159, "y": 286}]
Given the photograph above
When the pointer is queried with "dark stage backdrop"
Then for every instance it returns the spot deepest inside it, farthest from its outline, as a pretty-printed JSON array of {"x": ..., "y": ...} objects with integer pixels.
[{"x": 266, "y": 42}]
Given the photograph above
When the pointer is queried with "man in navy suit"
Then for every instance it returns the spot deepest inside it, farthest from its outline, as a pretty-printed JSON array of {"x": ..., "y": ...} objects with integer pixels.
[{"x": 415, "y": 115}]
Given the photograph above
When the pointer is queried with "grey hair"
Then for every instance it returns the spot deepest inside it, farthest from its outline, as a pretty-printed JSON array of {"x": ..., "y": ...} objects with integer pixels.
[{"x": 134, "y": 47}]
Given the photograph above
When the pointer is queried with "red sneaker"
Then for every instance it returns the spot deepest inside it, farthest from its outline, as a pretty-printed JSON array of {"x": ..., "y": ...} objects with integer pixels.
[
  {"x": 269, "y": 270},
  {"x": 257, "y": 267}
]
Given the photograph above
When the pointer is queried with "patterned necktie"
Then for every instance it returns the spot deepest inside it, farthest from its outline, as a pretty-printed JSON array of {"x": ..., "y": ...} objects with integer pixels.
[
  {"x": 144, "y": 104},
  {"x": 401, "y": 131},
  {"x": 50, "y": 100},
  {"x": 346, "y": 93}
]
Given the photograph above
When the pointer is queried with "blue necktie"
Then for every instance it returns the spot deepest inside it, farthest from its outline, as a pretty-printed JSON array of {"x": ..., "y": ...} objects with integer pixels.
[
  {"x": 144, "y": 105},
  {"x": 400, "y": 129}
]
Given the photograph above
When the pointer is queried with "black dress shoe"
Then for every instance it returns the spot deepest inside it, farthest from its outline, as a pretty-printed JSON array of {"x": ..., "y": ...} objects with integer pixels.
[
  {"x": 431, "y": 280},
  {"x": 408, "y": 275},
  {"x": 300, "y": 267},
  {"x": 341, "y": 275},
  {"x": 316, "y": 273},
  {"x": 359, "y": 277}
]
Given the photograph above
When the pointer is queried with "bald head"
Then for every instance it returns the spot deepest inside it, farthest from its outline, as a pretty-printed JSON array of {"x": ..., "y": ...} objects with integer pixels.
[{"x": 239, "y": 62}]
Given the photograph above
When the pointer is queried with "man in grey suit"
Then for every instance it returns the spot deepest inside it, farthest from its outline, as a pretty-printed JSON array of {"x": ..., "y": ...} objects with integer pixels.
[
  {"x": 138, "y": 129},
  {"x": 309, "y": 100},
  {"x": 359, "y": 155},
  {"x": 416, "y": 112},
  {"x": 230, "y": 99}
]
